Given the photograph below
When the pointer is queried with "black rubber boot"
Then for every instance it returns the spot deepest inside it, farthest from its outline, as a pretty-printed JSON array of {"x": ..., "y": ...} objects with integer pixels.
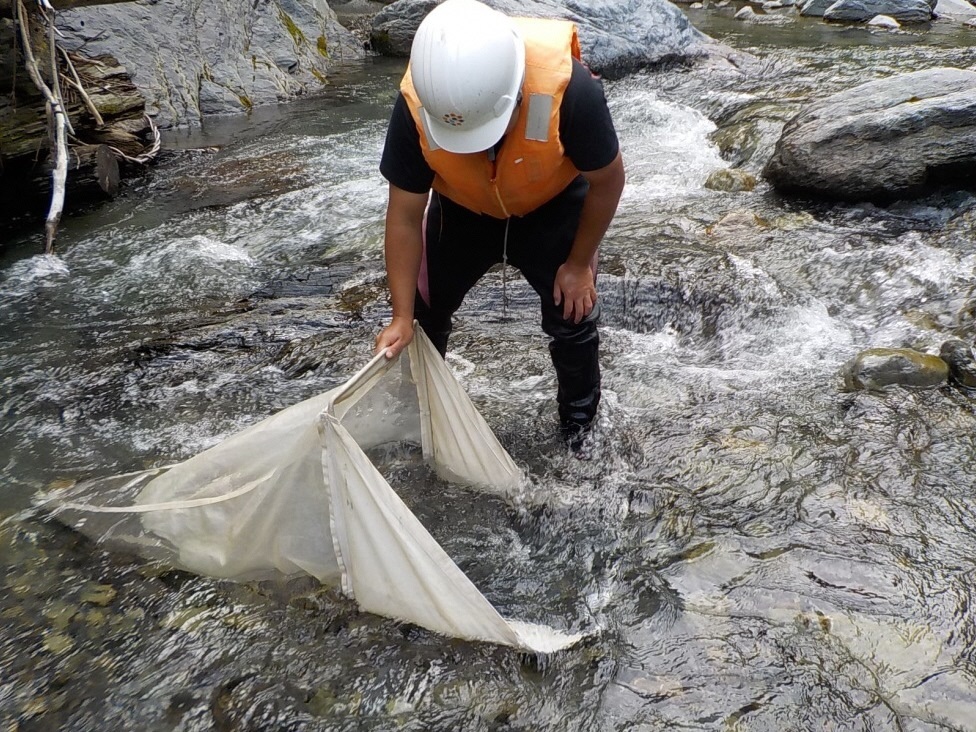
[{"x": 575, "y": 351}]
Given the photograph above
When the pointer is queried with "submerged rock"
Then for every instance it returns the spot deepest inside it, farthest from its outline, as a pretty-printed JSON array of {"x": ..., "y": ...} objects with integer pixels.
[
  {"x": 877, "y": 368},
  {"x": 731, "y": 180},
  {"x": 750, "y": 131},
  {"x": 962, "y": 365},
  {"x": 96, "y": 594},
  {"x": 899, "y": 137},
  {"x": 735, "y": 223},
  {"x": 58, "y": 643},
  {"x": 793, "y": 221}
]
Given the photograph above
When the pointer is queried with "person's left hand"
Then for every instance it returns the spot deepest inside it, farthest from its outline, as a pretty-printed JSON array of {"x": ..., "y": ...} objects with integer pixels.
[{"x": 575, "y": 290}]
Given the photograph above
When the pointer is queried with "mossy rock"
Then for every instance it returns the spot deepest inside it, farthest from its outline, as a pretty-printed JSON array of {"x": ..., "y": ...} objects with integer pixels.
[
  {"x": 877, "y": 368},
  {"x": 731, "y": 180}
]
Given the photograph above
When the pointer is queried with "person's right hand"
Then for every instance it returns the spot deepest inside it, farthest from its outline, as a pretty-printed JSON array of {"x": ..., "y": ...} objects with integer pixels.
[{"x": 395, "y": 337}]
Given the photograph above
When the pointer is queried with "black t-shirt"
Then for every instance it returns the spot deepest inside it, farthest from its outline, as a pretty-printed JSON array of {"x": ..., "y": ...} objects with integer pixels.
[{"x": 585, "y": 129}]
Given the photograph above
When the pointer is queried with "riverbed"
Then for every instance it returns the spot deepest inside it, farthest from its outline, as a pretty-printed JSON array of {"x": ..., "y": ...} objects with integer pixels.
[{"x": 751, "y": 547}]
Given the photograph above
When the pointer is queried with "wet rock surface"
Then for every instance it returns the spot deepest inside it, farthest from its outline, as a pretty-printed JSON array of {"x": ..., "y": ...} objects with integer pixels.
[
  {"x": 877, "y": 368},
  {"x": 616, "y": 38},
  {"x": 731, "y": 180},
  {"x": 216, "y": 57},
  {"x": 857, "y": 11},
  {"x": 901, "y": 136},
  {"x": 962, "y": 364},
  {"x": 757, "y": 548}
]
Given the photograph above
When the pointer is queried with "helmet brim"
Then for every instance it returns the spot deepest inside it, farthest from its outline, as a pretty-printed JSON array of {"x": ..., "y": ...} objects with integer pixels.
[{"x": 479, "y": 139}]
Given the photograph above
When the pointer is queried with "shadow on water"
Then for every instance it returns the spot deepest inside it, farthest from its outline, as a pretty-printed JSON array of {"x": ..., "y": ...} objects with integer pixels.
[{"x": 751, "y": 547}]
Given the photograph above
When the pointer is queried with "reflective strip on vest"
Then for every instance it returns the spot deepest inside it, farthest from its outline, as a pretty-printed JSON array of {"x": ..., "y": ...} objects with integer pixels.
[{"x": 537, "y": 122}]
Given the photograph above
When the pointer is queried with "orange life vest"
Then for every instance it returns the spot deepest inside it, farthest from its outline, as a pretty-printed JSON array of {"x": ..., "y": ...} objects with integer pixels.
[{"x": 530, "y": 168}]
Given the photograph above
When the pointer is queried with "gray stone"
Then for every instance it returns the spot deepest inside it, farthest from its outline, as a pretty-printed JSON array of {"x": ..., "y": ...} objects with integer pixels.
[
  {"x": 257, "y": 51},
  {"x": 748, "y": 15},
  {"x": 815, "y": 8},
  {"x": 858, "y": 11},
  {"x": 898, "y": 137},
  {"x": 734, "y": 224},
  {"x": 394, "y": 27},
  {"x": 215, "y": 99},
  {"x": 959, "y": 9},
  {"x": 962, "y": 365},
  {"x": 877, "y": 368},
  {"x": 731, "y": 180},
  {"x": 617, "y": 37}
]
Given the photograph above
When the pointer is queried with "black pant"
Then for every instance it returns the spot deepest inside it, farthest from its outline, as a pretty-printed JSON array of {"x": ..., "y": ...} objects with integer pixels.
[{"x": 460, "y": 246}]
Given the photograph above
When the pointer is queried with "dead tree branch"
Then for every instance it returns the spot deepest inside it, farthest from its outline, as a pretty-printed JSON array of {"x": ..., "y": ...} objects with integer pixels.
[
  {"x": 149, "y": 154},
  {"x": 79, "y": 87},
  {"x": 59, "y": 117}
]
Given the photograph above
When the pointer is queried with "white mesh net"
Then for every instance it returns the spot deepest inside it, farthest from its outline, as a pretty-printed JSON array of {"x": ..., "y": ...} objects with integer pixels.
[{"x": 296, "y": 494}]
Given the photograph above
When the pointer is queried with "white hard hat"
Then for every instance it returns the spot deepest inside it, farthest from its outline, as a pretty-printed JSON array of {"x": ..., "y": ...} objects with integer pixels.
[{"x": 467, "y": 63}]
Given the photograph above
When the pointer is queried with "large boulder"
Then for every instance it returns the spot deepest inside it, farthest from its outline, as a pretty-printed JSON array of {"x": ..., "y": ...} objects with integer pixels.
[
  {"x": 859, "y": 11},
  {"x": 892, "y": 138},
  {"x": 617, "y": 37},
  {"x": 214, "y": 56},
  {"x": 814, "y": 8},
  {"x": 960, "y": 9}
]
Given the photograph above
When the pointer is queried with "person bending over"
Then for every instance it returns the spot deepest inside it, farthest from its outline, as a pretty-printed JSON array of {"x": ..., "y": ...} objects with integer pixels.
[{"x": 501, "y": 148}]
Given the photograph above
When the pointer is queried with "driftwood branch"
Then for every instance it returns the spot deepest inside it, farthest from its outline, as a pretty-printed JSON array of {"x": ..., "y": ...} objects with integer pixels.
[
  {"x": 58, "y": 179},
  {"x": 56, "y": 111},
  {"x": 55, "y": 74},
  {"x": 79, "y": 87},
  {"x": 149, "y": 154}
]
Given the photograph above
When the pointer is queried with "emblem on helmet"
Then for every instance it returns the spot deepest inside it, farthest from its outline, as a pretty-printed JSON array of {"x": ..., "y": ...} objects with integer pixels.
[{"x": 454, "y": 119}]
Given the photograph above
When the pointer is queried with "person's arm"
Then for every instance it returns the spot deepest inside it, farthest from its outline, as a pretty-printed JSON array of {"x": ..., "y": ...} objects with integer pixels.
[
  {"x": 404, "y": 250},
  {"x": 575, "y": 286}
]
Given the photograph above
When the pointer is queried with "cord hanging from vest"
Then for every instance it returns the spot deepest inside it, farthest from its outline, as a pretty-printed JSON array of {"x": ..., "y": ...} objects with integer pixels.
[{"x": 505, "y": 270}]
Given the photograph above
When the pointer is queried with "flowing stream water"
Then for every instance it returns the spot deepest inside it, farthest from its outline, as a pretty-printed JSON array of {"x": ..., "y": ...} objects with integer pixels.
[{"x": 750, "y": 548}]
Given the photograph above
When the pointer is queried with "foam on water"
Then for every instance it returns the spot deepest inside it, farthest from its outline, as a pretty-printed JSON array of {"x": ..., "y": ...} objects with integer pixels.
[
  {"x": 27, "y": 275},
  {"x": 194, "y": 267},
  {"x": 665, "y": 146}
]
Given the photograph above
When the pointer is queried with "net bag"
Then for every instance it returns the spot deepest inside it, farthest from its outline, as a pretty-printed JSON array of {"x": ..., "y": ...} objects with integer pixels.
[{"x": 297, "y": 494}]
